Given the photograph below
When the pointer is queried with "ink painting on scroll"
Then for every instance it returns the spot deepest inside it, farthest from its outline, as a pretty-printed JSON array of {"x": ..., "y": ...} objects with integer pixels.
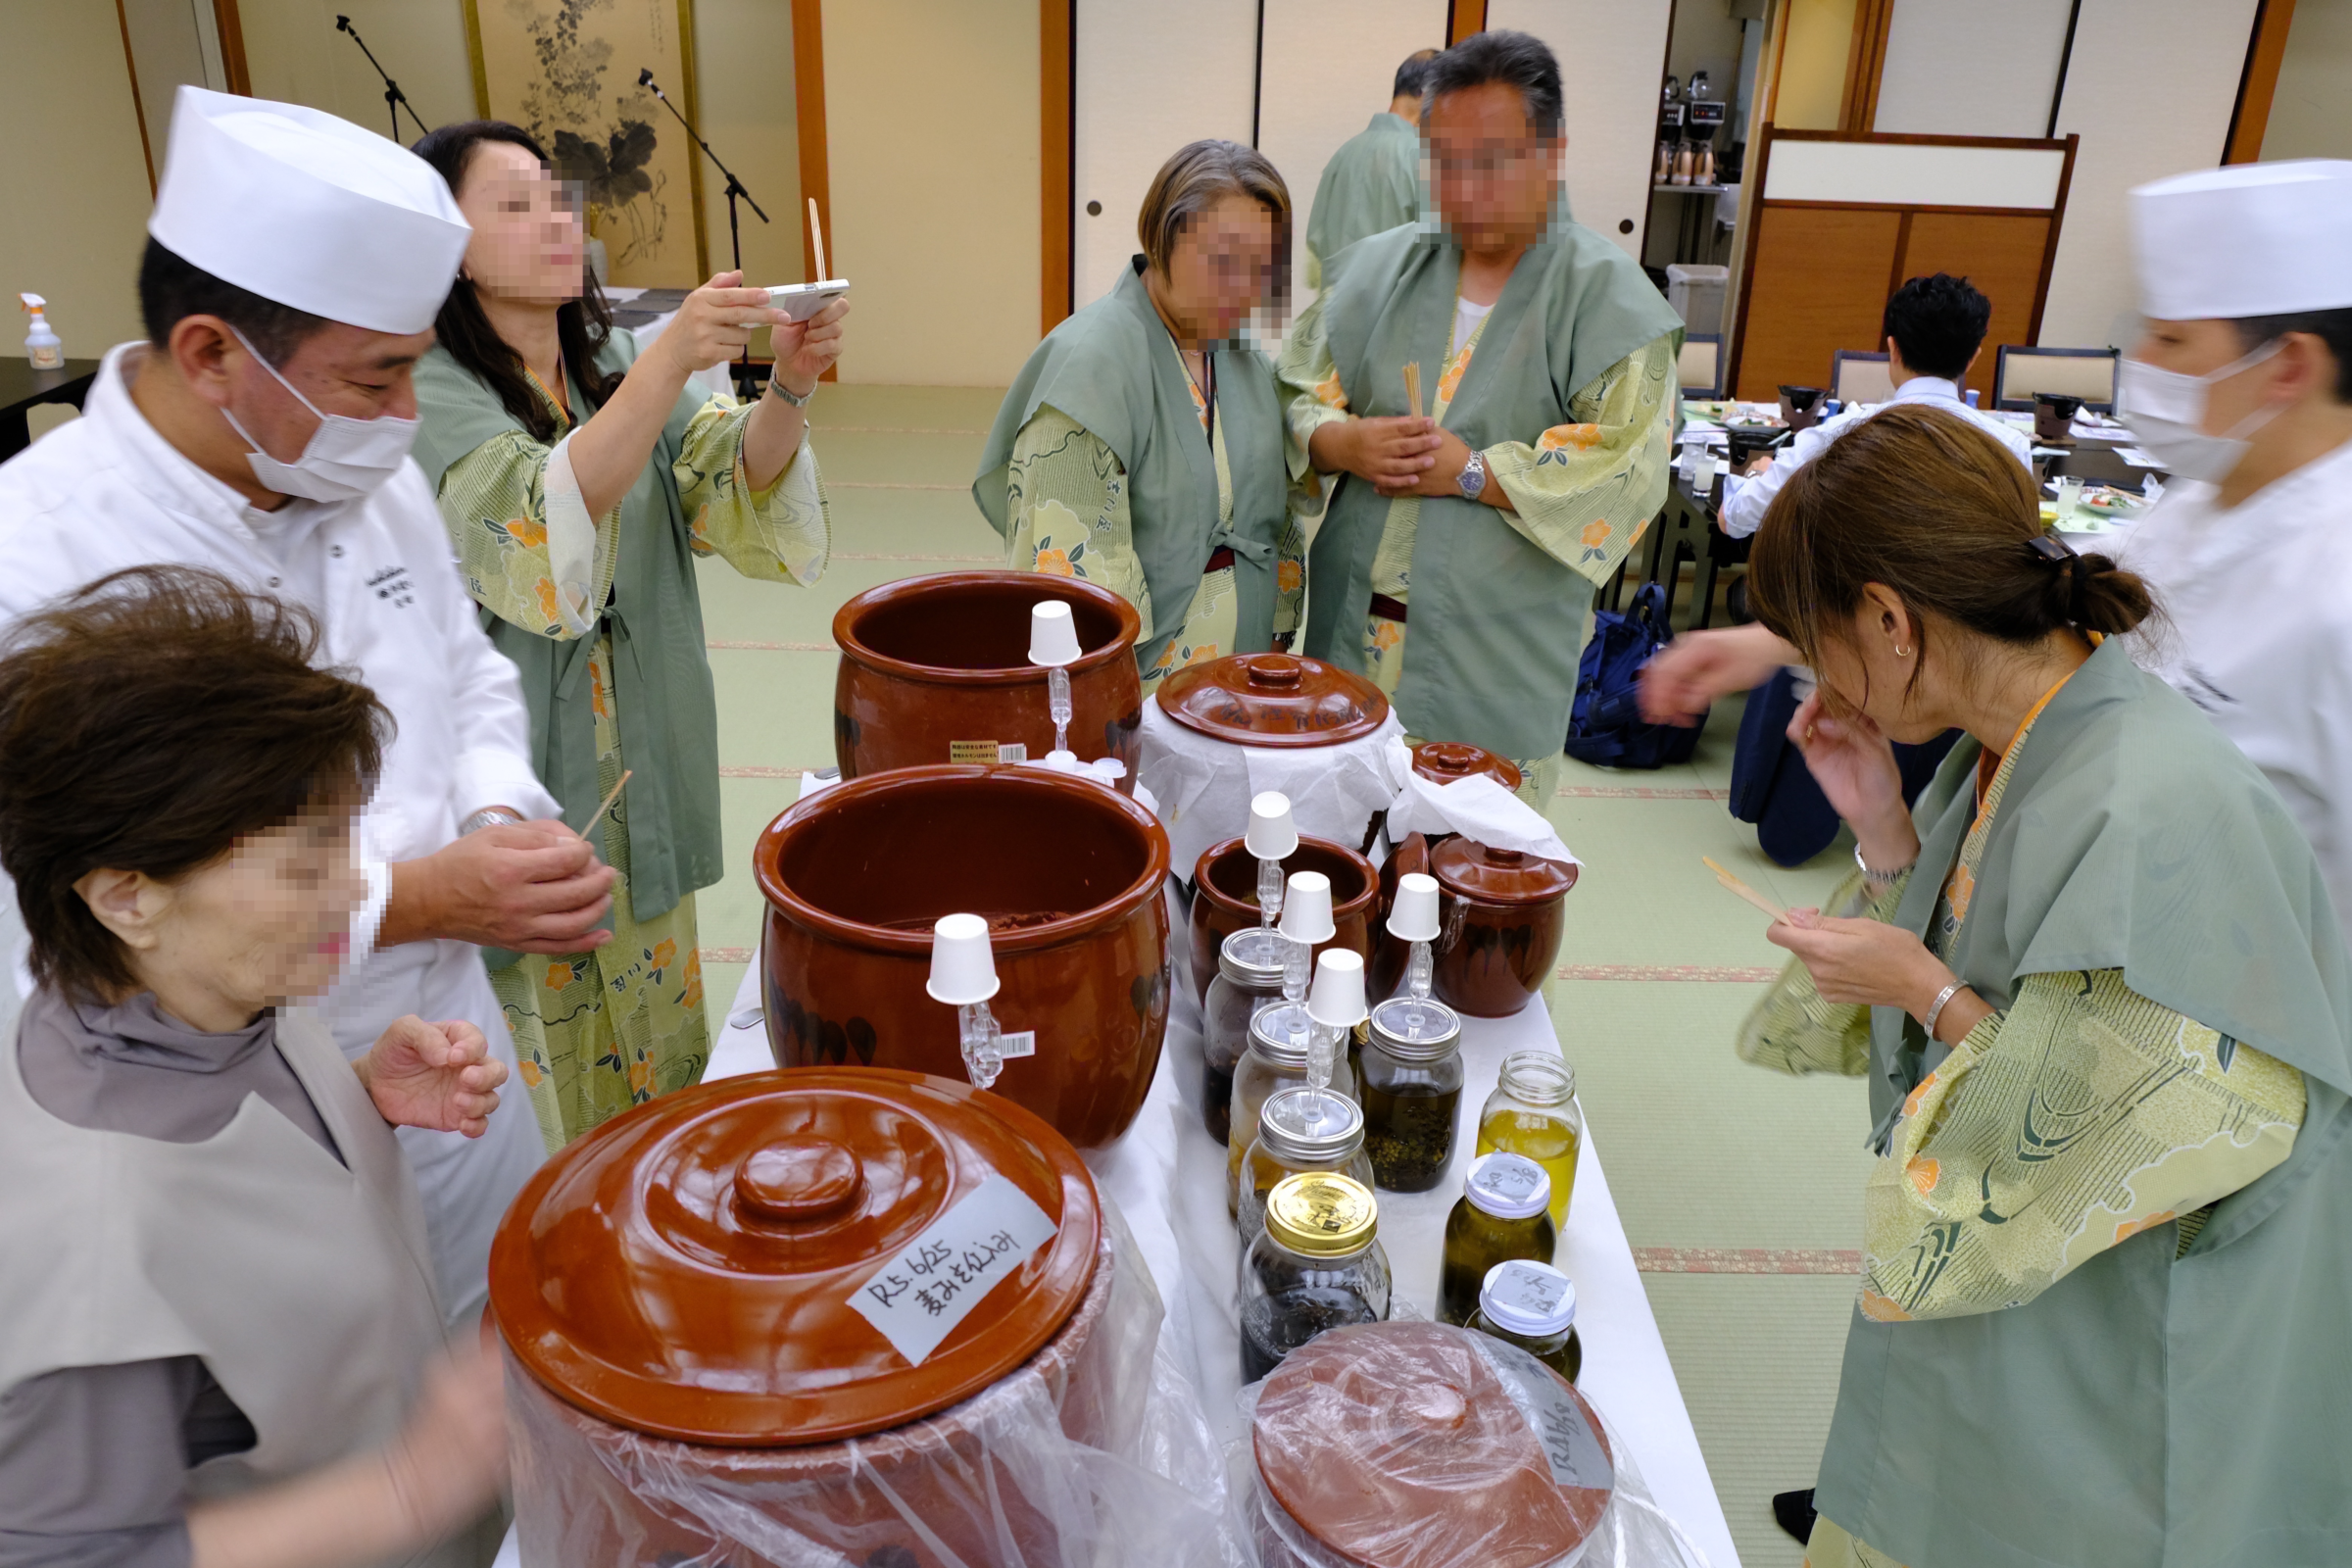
[{"x": 568, "y": 71}]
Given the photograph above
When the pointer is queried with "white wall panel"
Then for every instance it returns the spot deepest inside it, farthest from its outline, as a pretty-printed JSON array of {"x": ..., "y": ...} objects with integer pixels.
[
  {"x": 1329, "y": 67},
  {"x": 1151, "y": 77},
  {"x": 1612, "y": 62},
  {"x": 1906, "y": 174},
  {"x": 1983, "y": 69},
  {"x": 2150, "y": 90}
]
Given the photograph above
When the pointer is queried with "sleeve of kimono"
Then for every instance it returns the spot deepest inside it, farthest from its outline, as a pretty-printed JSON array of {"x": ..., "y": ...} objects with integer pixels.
[
  {"x": 1066, "y": 511},
  {"x": 494, "y": 502},
  {"x": 1308, "y": 379},
  {"x": 1585, "y": 491},
  {"x": 92, "y": 1470},
  {"x": 781, "y": 534},
  {"x": 2077, "y": 1119},
  {"x": 1791, "y": 1029}
]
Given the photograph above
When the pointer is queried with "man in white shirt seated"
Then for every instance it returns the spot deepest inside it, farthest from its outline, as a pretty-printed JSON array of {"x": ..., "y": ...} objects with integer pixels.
[{"x": 1934, "y": 329}]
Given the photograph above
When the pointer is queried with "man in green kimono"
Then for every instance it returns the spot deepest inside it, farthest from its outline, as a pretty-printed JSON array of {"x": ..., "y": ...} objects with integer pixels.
[
  {"x": 1373, "y": 183},
  {"x": 1549, "y": 361}
]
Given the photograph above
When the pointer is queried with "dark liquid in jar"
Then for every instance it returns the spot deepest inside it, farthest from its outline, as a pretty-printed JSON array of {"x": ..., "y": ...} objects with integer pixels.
[
  {"x": 1408, "y": 1135},
  {"x": 1217, "y": 1099},
  {"x": 1274, "y": 1326}
]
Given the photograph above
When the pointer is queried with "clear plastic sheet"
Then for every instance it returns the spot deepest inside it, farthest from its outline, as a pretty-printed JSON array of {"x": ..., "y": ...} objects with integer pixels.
[
  {"x": 1422, "y": 1447},
  {"x": 1094, "y": 1453}
]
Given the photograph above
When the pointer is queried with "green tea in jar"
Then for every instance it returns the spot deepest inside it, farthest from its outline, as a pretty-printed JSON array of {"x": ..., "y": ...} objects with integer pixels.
[
  {"x": 1411, "y": 1089},
  {"x": 1503, "y": 1215}
]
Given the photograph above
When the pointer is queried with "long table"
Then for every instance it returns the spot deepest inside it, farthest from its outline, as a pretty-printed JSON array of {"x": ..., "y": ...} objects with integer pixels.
[{"x": 1169, "y": 1179}]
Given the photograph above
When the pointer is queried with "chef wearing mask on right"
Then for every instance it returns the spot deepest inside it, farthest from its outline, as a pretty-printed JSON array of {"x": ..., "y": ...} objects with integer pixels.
[{"x": 2241, "y": 385}]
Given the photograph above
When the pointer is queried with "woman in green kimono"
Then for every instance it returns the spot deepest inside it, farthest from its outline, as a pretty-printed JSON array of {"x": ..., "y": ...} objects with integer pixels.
[
  {"x": 1143, "y": 446},
  {"x": 581, "y": 477},
  {"x": 2102, "y": 1001}
]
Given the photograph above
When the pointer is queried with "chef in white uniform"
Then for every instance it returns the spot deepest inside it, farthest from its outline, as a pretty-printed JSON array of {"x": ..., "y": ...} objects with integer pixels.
[
  {"x": 293, "y": 270},
  {"x": 2241, "y": 384}
]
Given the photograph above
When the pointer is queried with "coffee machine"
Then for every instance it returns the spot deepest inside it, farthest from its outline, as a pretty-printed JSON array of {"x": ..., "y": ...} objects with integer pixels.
[
  {"x": 1670, "y": 135},
  {"x": 1703, "y": 117}
]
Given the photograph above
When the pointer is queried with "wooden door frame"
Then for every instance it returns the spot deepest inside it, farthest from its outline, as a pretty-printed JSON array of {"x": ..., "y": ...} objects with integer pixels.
[
  {"x": 2266, "y": 50},
  {"x": 1865, "y": 66},
  {"x": 1057, "y": 136},
  {"x": 1462, "y": 19}
]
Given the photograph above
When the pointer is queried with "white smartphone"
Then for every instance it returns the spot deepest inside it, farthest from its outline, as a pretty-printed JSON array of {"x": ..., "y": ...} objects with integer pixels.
[{"x": 800, "y": 301}]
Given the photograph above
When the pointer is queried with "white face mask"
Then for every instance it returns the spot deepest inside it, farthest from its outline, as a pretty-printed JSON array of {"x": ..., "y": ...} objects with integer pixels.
[
  {"x": 344, "y": 459},
  {"x": 2166, "y": 411}
]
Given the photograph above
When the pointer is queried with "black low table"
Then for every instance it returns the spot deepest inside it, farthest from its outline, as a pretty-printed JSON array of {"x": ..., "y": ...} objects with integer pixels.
[{"x": 21, "y": 387}]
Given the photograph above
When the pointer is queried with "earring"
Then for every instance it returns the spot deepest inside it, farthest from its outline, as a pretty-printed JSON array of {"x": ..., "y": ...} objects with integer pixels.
[{"x": 1900, "y": 652}]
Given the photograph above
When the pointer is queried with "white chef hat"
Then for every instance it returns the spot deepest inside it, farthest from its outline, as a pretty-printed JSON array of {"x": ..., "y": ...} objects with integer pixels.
[
  {"x": 2245, "y": 239},
  {"x": 309, "y": 211}
]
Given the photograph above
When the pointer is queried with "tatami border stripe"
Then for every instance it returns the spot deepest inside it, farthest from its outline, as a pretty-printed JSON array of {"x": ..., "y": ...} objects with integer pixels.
[
  {"x": 773, "y": 648},
  {"x": 886, "y": 429},
  {"x": 726, "y": 955},
  {"x": 742, "y": 772},
  {"x": 1717, "y": 974},
  {"x": 1742, "y": 1260},
  {"x": 889, "y": 484},
  {"x": 860, "y": 555},
  {"x": 1636, "y": 792}
]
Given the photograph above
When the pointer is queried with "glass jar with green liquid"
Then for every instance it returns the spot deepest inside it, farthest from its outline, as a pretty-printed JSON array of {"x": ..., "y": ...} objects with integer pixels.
[
  {"x": 1532, "y": 1306},
  {"x": 1502, "y": 1215},
  {"x": 1533, "y": 1111}
]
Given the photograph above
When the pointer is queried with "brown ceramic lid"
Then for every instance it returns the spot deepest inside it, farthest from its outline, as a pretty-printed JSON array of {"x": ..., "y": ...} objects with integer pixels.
[
  {"x": 688, "y": 1270},
  {"x": 1487, "y": 875},
  {"x": 1399, "y": 1446},
  {"x": 1447, "y": 760},
  {"x": 1273, "y": 700}
]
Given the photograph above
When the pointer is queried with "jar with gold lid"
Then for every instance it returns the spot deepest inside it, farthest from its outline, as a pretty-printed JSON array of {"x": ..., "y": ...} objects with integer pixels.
[
  {"x": 1299, "y": 1130},
  {"x": 1316, "y": 1266}
]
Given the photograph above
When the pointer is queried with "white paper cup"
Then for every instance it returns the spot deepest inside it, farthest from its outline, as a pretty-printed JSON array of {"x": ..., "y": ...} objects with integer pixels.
[
  {"x": 1052, "y": 634},
  {"x": 1306, "y": 908},
  {"x": 1337, "y": 1000},
  {"x": 1272, "y": 834},
  {"x": 963, "y": 966},
  {"x": 1413, "y": 917}
]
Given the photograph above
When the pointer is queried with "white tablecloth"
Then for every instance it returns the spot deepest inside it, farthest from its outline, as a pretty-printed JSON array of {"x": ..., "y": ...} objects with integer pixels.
[
  {"x": 1169, "y": 1179},
  {"x": 1205, "y": 785}
]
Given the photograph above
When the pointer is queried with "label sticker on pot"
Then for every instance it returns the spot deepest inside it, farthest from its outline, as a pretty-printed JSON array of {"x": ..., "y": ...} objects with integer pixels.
[
  {"x": 983, "y": 753},
  {"x": 1552, "y": 1414},
  {"x": 917, "y": 1297}
]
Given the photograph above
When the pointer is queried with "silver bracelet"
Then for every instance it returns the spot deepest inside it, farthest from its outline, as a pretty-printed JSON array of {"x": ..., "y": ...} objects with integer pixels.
[
  {"x": 488, "y": 816},
  {"x": 1935, "y": 1007},
  {"x": 799, "y": 400},
  {"x": 1881, "y": 880}
]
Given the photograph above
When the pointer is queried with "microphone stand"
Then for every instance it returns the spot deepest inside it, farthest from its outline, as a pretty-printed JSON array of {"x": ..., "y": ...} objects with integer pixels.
[
  {"x": 645, "y": 79},
  {"x": 394, "y": 99}
]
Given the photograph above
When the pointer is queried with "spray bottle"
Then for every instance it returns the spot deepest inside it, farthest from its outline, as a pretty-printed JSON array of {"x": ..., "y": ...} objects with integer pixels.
[{"x": 41, "y": 345}]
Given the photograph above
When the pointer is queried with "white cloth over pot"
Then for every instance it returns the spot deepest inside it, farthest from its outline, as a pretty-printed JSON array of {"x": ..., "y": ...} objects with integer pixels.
[
  {"x": 1477, "y": 806},
  {"x": 1203, "y": 785}
]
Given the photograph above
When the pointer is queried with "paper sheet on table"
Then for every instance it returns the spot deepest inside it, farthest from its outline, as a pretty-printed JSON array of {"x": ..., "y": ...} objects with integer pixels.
[
  {"x": 2138, "y": 459},
  {"x": 1203, "y": 785},
  {"x": 1479, "y": 808}
]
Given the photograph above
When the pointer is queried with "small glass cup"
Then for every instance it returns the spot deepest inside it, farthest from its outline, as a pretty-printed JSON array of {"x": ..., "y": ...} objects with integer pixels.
[{"x": 2070, "y": 499}]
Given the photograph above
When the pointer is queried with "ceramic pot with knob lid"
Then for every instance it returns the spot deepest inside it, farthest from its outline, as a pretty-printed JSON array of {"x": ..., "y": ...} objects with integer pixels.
[
  {"x": 1225, "y": 897},
  {"x": 815, "y": 1300},
  {"x": 1502, "y": 926},
  {"x": 1448, "y": 761},
  {"x": 1069, "y": 877},
  {"x": 936, "y": 670},
  {"x": 1408, "y": 1444},
  {"x": 1276, "y": 700}
]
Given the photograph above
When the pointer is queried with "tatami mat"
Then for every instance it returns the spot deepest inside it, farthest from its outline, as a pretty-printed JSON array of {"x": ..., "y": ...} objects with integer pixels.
[{"x": 1715, "y": 1166}]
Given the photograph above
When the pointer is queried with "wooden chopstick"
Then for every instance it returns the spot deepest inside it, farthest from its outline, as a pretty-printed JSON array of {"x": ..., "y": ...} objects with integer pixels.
[
  {"x": 1413, "y": 386},
  {"x": 1742, "y": 890},
  {"x": 816, "y": 232},
  {"x": 608, "y": 800}
]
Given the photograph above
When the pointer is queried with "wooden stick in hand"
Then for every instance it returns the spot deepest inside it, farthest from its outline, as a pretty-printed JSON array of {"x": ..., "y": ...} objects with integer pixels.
[
  {"x": 1413, "y": 386},
  {"x": 614, "y": 796},
  {"x": 1742, "y": 890}
]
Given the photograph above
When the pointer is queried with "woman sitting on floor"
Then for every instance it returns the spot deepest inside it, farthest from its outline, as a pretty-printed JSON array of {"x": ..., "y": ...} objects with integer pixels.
[
  {"x": 2102, "y": 1001},
  {"x": 221, "y": 1343}
]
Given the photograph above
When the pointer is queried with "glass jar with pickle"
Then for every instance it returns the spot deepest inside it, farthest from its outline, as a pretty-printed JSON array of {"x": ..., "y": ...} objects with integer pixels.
[
  {"x": 1411, "y": 1089},
  {"x": 1276, "y": 1059},
  {"x": 1502, "y": 1215},
  {"x": 1533, "y": 1111},
  {"x": 1249, "y": 977},
  {"x": 1532, "y": 1306},
  {"x": 1299, "y": 1130},
  {"x": 1317, "y": 1265}
]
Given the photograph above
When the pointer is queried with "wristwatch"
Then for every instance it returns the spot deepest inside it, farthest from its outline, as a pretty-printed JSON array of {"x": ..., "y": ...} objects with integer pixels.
[
  {"x": 1472, "y": 480},
  {"x": 799, "y": 400},
  {"x": 488, "y": 816}
]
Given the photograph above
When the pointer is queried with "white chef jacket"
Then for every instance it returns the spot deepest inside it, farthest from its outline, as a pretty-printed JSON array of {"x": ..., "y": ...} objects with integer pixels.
[
  {"x": 2259, "y": 601},
  {"x": 1746, "y": 500},
  {"x": 105, "y": 492}
]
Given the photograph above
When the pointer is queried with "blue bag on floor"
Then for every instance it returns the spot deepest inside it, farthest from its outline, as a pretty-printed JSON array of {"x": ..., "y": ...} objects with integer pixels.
[
  {"x": 1773, "y": 788},
  {"x": 1606, "y": 726}
]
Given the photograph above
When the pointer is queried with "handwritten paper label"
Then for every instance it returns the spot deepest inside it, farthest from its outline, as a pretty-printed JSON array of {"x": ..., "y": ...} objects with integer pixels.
[
  {"x": 1567, "y": 1439},
  {"x": 1509, "y": 1181},
  {"x": 1529, "y": 1291},
  {"x": 917, "y": 1297},
  {"x": 1022, "y": 1043}
]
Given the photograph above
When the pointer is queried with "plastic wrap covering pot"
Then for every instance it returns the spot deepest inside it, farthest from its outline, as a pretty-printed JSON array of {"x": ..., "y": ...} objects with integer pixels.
[
  {"x": 707, "y": 1307},
  {"x": 1418, "y": 1446},
  {"x": 1068, "y": 875},
  {"x": 1447, "y": 760},
  {"x": 930, "y": 664},
  {"x": 1277, "y": 700},
  {"x": 1502, "y": 926},
  {"x": 1225, "y": 897}
]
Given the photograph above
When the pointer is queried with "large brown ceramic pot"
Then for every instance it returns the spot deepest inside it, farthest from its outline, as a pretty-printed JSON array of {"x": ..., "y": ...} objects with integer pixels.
[
  {"x": 930, "y": 664},
  {"x": 677, "y": 1296},
  {"x": 1280, "y": 700},
  {"x": 1502, "y": 923},
  {"x": 1225, "y": 897},
  {"x": 1448, "y": 761},
  {"x": 1068, "y": 875}
]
